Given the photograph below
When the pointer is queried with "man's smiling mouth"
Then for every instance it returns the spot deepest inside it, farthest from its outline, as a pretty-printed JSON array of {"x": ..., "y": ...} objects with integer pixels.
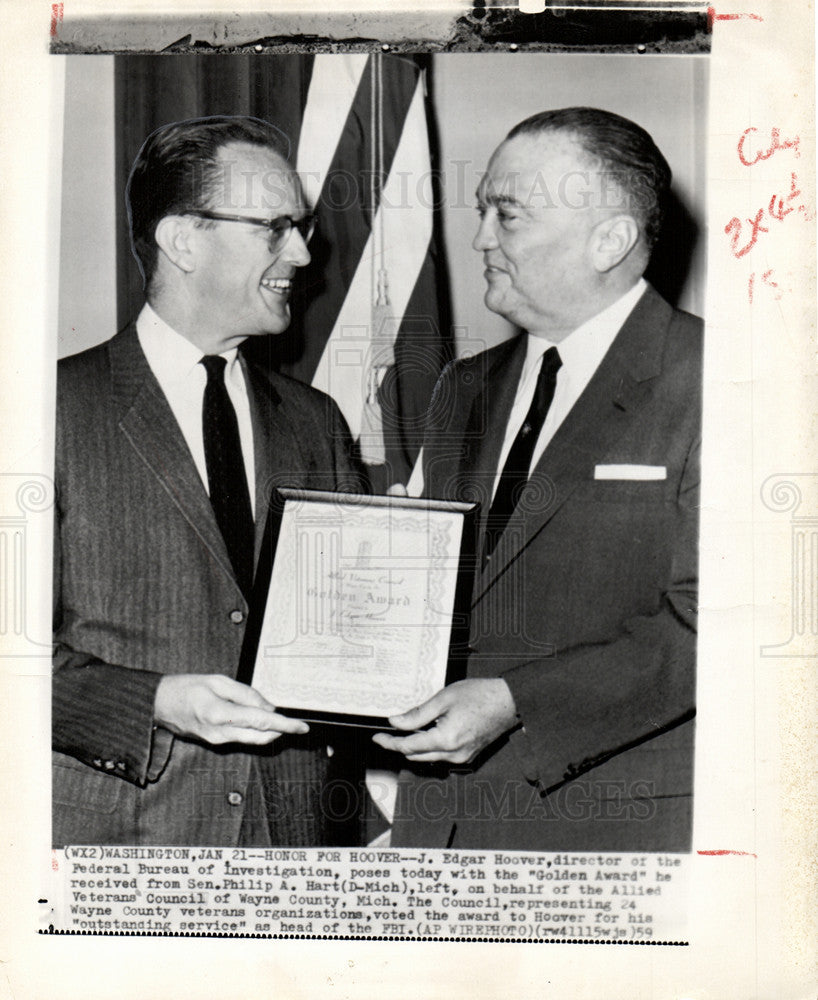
[{"x": 281, "y": 286}]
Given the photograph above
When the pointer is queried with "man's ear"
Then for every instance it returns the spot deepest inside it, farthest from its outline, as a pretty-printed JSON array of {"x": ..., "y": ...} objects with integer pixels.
[
  {"x": 612, "y": 240},
  {"x": 172, "y": 236}
]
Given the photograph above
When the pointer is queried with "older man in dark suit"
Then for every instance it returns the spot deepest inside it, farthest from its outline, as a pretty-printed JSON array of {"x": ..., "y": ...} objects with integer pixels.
[
  {"x": 573, "y": 728},
  {"x": 168, "y": 446}
]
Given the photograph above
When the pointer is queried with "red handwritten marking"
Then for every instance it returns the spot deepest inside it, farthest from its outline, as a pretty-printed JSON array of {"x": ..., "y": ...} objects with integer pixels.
[
  {"x": 781, "y": 211},
  {"x": 777, "y": 210},
  {"x": 776, "y": 143},
  {"x": 54, "y": 863},
  {"x": 56, "y": 17},
  {"x": 772, "y": 284},
  {"x": 719, "y": 854},
  {"x": 734, "y": 227},
  {"x": 768, "y": 281},
  {"x": 713, "y": 16}
]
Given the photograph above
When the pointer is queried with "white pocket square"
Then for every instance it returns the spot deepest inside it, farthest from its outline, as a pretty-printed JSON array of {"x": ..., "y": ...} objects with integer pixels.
[{"x": 646, "y": 472}]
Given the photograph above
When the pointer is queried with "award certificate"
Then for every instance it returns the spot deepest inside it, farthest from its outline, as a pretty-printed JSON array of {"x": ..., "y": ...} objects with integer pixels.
[{"x": 359, "y": 603}]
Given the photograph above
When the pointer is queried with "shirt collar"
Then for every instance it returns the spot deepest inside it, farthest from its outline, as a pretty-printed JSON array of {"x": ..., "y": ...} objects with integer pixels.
[
  {"x": 586, "y": 346},
  {"x": 169, "y": 354}
]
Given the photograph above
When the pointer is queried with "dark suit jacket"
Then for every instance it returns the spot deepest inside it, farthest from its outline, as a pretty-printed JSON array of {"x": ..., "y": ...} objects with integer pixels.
[
  {"x": 587, "y": 607},
  {"x": 144, "y": 587}
]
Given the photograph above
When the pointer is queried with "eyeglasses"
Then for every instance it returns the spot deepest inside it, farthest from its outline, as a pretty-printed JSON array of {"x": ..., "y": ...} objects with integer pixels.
[{"x": 278, "y": 229}]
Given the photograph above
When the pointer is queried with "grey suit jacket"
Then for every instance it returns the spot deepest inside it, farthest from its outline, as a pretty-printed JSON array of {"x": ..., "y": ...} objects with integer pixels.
[
  {"x": 144, "y": 587},
  {"x": 587, "y": 607}
]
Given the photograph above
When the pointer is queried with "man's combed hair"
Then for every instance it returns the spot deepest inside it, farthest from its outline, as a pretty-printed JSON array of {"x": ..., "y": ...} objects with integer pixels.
[
  {"x": 177, "y": 169},
  {"x": 625, "y": 152}
]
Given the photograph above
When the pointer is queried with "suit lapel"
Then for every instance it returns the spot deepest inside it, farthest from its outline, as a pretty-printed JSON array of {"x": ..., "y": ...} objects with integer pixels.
[
  {"x": 486, "y": 424},
  {"x": 147, "y": 421},
  {"x": 608, "y": 406},
  {"x": 279, "y": 461}
]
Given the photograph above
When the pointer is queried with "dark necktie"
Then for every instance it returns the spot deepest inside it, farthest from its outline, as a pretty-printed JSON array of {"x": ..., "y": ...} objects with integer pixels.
[
  {"x": 226, "y": 474},
  {"x": 518, "y": 463}
]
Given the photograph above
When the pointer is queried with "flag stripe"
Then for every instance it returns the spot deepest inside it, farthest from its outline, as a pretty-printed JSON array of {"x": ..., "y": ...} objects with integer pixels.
[
  {"x": 407, "y": 223},
  {"x": 344, "y": 215},
  {"x": 334, "y": 84},
  {"x": 420, "y": 355}
]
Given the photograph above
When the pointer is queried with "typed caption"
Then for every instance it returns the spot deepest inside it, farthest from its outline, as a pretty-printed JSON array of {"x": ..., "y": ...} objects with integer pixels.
[{"x": 277, "y": 892}]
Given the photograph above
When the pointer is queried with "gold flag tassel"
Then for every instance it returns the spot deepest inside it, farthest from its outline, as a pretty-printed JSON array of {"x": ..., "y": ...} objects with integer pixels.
[{"x": 384, "y": 324}]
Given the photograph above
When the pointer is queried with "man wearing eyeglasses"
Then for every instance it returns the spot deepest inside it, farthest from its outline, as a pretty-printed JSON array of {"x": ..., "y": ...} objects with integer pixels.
[{"x": 168, "y": 447}]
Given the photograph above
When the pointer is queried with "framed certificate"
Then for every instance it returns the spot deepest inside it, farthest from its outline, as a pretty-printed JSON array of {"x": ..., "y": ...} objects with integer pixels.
[{"x": 360, "y": 605}]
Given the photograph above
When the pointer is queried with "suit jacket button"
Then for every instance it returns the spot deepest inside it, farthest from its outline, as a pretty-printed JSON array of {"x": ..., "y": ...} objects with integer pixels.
[
  {"x": 235, "y": 798},
  {"x": 237, "y": 617},
  {"x": 97, "y": 762},
  {"x": 109, "y": 765}
]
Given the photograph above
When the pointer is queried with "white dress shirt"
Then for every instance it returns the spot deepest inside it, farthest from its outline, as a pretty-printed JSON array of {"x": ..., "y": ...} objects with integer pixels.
[
  {"x": 174, "y": 360},
  {"x": 581, "y": 353}
]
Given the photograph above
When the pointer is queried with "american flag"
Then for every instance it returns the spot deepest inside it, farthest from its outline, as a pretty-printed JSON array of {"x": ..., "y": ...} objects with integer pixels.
[{"x": 368, "y": 316}]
